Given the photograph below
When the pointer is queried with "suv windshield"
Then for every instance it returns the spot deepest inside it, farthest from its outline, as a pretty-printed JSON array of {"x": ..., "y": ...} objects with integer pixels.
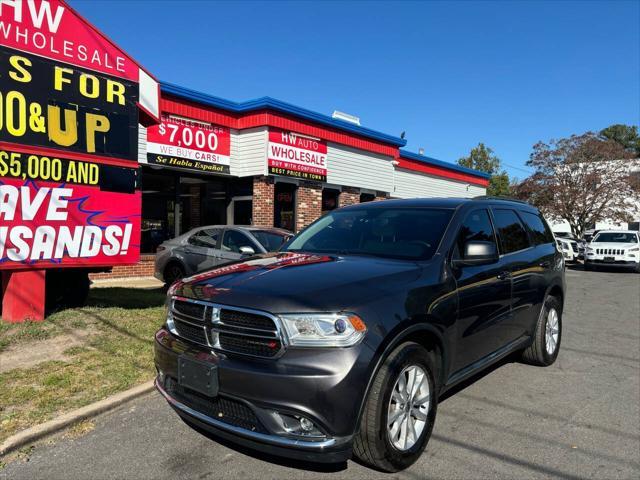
[
  {"x": 271, "y": 241},
  {"x": 402, "y": 233},
  {"x": 615, "y": 237}
]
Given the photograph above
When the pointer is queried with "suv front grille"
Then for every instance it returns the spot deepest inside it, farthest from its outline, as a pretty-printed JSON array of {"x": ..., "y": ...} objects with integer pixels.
[
  {"x": 609, "y": 251},
  {"x": 228, "y": 329},
  {"x": 224, "y": 409}
]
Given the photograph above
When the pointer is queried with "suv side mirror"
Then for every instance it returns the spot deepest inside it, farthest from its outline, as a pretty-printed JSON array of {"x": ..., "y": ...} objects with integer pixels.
[
  {"x": 247, "y": 250},
  {"x": 478, "y": 253}
]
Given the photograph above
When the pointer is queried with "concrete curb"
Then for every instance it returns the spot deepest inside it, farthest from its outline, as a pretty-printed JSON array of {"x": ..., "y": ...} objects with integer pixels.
[{"x": 53, "y": 426}]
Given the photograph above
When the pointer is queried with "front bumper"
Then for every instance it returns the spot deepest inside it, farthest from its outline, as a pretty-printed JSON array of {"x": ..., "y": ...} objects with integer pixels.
[
  {"x": 321, "y": 386},
  {"x": 608, "y": 263}
]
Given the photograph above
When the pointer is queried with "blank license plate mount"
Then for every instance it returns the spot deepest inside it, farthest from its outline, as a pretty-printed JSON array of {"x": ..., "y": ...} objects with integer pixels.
[{"x": 199, "y": 376}]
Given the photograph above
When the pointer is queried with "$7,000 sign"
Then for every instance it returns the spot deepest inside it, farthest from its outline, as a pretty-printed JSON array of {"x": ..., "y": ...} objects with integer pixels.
[{"x": 190, "y": 145}]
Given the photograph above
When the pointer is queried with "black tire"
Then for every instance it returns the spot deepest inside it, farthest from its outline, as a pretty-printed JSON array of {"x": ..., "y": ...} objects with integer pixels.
[
  {"x": 536, "y": 353},
  {"x": 172, "y": 272},
  {"x": 372, "y": 445}
]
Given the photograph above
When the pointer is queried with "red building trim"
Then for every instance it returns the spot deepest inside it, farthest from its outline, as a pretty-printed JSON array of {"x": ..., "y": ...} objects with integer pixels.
[
  {"x": 440, "y": 172},
  {"x": 266, "y": 118}
]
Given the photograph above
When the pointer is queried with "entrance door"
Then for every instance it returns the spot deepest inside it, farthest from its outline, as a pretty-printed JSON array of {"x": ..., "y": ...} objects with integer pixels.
[
  {"x": 284, "y": 206},
  {"x": 240, "y": 211}
]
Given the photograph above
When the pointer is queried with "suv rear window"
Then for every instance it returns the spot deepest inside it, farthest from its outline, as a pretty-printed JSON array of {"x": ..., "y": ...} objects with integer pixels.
[
  {"x": 513, "y": 236},
  {"x": 539, "y": 229}
]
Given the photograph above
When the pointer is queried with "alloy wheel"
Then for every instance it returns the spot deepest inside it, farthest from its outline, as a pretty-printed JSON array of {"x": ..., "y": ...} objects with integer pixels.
[
  {"x": 408, "y": 410},
  {"x": 552, "y": 331}
]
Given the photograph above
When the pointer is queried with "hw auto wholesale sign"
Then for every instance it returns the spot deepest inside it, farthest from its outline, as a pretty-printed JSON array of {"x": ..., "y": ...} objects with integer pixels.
[
  {"x": 69, "y": 102},
  {"x": 295, "y": 155},
  {"x": 189, "y": 144}
]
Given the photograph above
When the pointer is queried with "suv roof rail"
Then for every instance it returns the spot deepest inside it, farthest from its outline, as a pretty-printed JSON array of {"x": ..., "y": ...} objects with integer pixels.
[{"x": 493, "y": 197}]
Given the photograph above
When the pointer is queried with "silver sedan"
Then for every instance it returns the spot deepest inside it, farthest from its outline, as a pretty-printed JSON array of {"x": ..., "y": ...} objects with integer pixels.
[{"x": 204, "y": 248}]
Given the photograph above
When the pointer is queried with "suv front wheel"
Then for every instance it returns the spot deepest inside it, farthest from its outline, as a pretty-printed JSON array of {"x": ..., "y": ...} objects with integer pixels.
[{"x": 400, "y": 411}]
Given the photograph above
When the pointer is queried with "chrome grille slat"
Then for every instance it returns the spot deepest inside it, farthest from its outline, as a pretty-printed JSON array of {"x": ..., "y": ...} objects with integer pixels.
[
  {"x": 271, "y": 336},
  {"x": 228, "y": 329}
]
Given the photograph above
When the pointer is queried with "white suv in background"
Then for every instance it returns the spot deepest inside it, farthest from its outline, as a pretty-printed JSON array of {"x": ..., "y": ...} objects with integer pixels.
[
  {"x": 614, "y": 248},
  {"x": 568, "y": 248}
]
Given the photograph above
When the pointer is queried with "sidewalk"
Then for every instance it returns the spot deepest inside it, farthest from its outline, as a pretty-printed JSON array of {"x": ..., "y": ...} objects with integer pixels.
[{"x": 133, "y": 282}]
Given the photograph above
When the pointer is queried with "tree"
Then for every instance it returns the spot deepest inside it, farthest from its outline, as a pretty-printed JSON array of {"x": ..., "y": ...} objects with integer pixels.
[
  {"x": 482, "y": 158},
  {"x": 625, "y": 135},
  {"x": 582, "y": 180}
]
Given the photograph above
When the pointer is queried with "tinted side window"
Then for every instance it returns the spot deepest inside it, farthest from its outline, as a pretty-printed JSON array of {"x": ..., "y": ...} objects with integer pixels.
[
  {"x": 207, "y": 238},
  {"x": 538, "y": 227},
  {"x": 233, "y": 240},
  {"x": 476, "y": 226},
  {"x": 513, "y": 236}
]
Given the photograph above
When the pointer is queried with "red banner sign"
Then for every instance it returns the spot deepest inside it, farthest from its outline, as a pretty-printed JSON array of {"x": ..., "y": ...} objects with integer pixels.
[
  {"x": 189, "y": 144},
  {"x": 49, "y": 28},
  {"x": 47, "y": 224},
  {"x": 295, "y": 155}
]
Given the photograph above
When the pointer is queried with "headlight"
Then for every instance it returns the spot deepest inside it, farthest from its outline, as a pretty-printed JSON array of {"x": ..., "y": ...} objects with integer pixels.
[
  {"x": 590, "y": 250},
  {"x": 634, "y": 249},
  {"x": 323, "y": 329}
]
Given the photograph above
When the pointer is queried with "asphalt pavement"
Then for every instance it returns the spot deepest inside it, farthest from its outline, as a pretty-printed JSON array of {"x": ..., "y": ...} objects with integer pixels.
[{"x": 579, "y": 418}]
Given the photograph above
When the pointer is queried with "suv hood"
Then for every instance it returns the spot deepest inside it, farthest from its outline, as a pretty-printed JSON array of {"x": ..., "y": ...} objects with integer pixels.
[
  {"x": 299, "y": 282},
  {"x": 616, "y": 245}
]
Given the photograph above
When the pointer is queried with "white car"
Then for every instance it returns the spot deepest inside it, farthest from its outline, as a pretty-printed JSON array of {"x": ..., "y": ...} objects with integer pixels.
[
  {"x": 568, "y": 248},
  {"x": 614, "y": 248}
]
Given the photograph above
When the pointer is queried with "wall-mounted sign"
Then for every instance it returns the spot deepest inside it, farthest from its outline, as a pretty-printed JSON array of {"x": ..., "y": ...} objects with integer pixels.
[
  {"x": 189, "y": 144},
  {"x": 57, "y": 211},
  {"x": 295, "y": 155}
]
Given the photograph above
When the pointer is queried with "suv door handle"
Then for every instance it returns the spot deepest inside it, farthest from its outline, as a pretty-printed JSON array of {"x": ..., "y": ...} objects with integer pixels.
[
  {"x": 545, "y": 264},
  {"x": 504, "y": 275}
]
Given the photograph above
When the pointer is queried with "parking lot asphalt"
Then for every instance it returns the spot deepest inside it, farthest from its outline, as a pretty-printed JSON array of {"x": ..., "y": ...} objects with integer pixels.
[{"x": 579, "y": 418}]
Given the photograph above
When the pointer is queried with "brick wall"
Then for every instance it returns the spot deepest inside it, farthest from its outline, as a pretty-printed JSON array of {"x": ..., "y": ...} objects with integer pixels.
[
  {"x": 263, "y": 194},
  {"x": 349, "y": 196},
  {"x": 308, "y": 204},
  {"x": 381, "y": 196},
  {"x": 144, "y": 268}
]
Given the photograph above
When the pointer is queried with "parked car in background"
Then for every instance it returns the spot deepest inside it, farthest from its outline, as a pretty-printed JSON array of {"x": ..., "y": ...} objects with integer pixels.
[
  {"x": 577, "y": 246},
  {"x": 614, "y": 248},
  {"x": 568, "y": 248},
  {"x": 204, "y": 248},
  {"x": 345, "y": 339}
]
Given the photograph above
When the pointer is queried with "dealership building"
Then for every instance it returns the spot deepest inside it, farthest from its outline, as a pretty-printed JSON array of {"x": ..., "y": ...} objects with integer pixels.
[{"x": 269, "y": 163}]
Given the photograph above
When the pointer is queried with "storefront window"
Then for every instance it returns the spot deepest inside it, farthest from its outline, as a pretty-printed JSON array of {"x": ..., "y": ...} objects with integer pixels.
[
  {"x": 284, "y": 206},
  {"x": 329, "y": 199},
  {"x": 367, "y": 197},
  {"x": 158, "y": 209}
]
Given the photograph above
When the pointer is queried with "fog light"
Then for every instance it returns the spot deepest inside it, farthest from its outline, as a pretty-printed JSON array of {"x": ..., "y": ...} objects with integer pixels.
[
  {"x": 297, "y": 425},
  {"x": 306, "y": 424}
]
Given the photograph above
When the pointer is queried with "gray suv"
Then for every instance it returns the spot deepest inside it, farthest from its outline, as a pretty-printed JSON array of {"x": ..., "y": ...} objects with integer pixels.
[{"x": 211, "y": 246}]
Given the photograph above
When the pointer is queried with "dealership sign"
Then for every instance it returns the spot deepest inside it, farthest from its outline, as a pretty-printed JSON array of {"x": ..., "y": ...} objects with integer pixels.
[
  {"x": 189, "y": 144},
  {"x": 70, "y": 104},
  {"x": 81, "y": 218},
  {"x": 295, "y": 155}
]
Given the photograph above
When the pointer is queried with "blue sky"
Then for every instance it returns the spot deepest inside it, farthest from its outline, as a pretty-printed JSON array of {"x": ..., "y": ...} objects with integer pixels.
[{"x": 450, "y": 74}]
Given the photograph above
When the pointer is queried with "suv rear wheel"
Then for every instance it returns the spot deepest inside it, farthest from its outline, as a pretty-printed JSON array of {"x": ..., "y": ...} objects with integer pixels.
[
  {"x": 543, "y": 351},
  {"x": 400, "y": 411}
]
